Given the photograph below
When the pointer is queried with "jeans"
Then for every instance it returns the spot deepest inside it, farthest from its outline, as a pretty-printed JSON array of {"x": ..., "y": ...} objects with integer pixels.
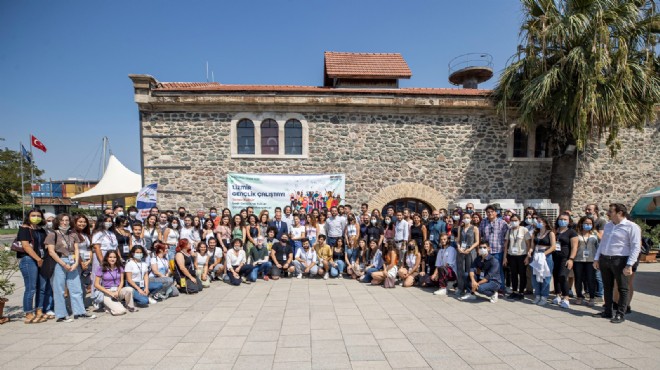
[
  {"x": 244, "y": 271},
  {"x": 367, "y": 274},
  {"x": 263, "y": 268},
  {"x": 332, "y": 241},
  {"x": 599, "y": 284},
  {"x": 297, "y": 244},
  {"x": 543, "y": 288},
  {"x": 171, "y": 252},
  {"x": 336, "y": 271},
  {"x": 143, "y": 300},
  {"x": 489, "y": 288},
  {"x": 612, "y": 269},
  {"x": 61, "y": 280},
  {"x": 500, "y": 257},
  {"x": 167, "y": 286},
  {"x": 300, "y": 269},
  {"x": 30, "y": 272},
  {"x": 584, "y": 272},
  {"x": 463, "y": 263}
]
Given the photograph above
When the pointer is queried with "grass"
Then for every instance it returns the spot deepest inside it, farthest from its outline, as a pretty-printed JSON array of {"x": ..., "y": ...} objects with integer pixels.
[{"x": 8, "y": 231}]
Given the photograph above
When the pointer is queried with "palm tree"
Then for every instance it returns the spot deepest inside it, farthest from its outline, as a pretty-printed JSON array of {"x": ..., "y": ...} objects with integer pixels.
[{"x": 585, "y": 69}]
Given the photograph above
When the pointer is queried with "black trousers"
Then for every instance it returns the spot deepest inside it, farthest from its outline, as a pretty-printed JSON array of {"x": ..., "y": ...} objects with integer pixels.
[
  {"x": 560, "y": 274},
  {"x": 611, "y": 268},
  {"x": 584, "y": 277},
  {"x": 518, "y": 272}
]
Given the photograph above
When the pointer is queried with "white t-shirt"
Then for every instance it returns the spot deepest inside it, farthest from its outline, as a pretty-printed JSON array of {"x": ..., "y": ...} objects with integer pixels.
[
  {"x": 162, "y": 264},
  {"x": 137, "y": 270},
  {"x": 308, "y": 257},
  {"x": 517, "y": 241},
  {"x": 297, "y": 232},
  {"x": 235, "y": 260},
  {"x": 192, "y": 235},
  {"x": 84, "y": 247},
  {"x": 217, "y": 254},
  {"x": 106, "y": 239}
]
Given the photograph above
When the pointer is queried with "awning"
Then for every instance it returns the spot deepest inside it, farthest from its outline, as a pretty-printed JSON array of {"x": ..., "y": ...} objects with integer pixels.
[
  {"x": 648, "y": 206},
  {"x": 117, "y": 182}
]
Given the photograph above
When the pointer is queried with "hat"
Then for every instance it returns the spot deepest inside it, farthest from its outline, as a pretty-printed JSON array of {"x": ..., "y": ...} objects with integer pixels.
[{"x": 48, "y": 215}]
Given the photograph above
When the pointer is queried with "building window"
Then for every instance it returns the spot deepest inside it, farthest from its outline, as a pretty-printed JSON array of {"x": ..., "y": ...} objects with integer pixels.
[
  {"x": 520, "y": 140},
  {"x": 245, "y": 136},
  {"x": 293, "y": 137},
  {"x": 270, "y": 143},
  {"x": 542, "y": 147},
  {"x": 414, "y": 205}
]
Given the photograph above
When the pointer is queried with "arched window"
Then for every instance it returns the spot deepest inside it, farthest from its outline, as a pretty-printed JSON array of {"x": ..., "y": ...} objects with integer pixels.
[
  {"x": 293, "y": 137},
  {"x": 519, "y": 143},
  {"x": 415, "y": 205},
  {"x": 245, "y": 136},
  {"x": 270, "y": 143}
]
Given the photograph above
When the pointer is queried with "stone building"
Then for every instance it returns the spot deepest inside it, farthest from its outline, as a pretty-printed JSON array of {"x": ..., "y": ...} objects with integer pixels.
[{"x": 412, "y": 146}]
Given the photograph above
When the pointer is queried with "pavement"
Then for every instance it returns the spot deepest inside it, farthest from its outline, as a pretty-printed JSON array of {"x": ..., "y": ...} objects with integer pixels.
[{"x": 339, "y": 324}]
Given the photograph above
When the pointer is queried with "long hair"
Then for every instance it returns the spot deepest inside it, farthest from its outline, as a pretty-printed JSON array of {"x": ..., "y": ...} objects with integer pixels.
[
  {"x": 86, "y": 231},
  {"x": 99, "y": 223},
  {"x": 182, "y": 245},
  {"x": 26, "y": 221},
  {"x": 106, "y": 265}
]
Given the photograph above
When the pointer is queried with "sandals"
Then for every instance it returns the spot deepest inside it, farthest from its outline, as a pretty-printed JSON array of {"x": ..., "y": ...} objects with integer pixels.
[
  {"x": 4, "y": 320},
  {"x": 31, "y": 318}
]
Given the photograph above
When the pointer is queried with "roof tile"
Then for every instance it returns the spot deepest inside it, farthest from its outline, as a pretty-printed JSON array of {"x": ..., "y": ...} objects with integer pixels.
[{"x": 366, "y": 65}]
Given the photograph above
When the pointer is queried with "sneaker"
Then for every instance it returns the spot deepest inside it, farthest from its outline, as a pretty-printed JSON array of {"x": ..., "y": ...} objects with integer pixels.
[
  {"x": 617, "y": 319},
  {"x": 152, "y": 301},
  {"x": 325, "y": 277},
  {"x": 96, "y": 306},
  {"x": 494, "y": 298},
  {"x": 458, "y": 293},
  {"x": 589, "y": 303},
  {"x": 266, "y": 278},
  {"x": 361, "y": 278},
  {"x": 513, "y": 296},
  {"x": 132, "y": 309},
  {"x": 520, "y": 296},
  {"x": 557, "y": 300},
  {"x": 64, "y": 319},
  {"x": 537, "y": 300},
  {"x": 565, "y": 304},
  {"x": 468, "y": 297},
  {"x": 508, "y": 290},
  {"x": 246, "y": 281},
  {"x": 441, "y": 291},
  {"x": 299, "y": 276},
  {"x": 85, "y": 316},
  {"x": 543, "y": 301},
  {"x": 578, "y": 301}
]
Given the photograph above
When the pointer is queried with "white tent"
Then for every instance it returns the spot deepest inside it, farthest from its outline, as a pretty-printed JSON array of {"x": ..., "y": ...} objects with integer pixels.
[{"x": 117, "y": 182}]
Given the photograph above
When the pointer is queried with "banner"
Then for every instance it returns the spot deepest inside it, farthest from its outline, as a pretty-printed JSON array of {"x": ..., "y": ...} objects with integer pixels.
[
  {"x": 297, "y": 191},
  {"x": 146, "y": 199}
]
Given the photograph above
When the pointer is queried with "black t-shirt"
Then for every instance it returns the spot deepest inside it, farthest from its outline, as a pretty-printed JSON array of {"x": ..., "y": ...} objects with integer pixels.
[
  {"x": 565, "y": 242},
  {"x": 36, "y": 237},
  {"x": 373, "y": 233},
  {"x": 282, "y": 252},
  {"x": 429, "y": 262}
]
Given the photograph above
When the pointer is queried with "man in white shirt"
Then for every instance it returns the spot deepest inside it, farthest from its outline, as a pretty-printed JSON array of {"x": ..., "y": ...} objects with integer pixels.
[
  {"x": 306, "y": 261},
  {"x": 617, "y": 253},
  {"x": 401, "y": 234},
  {"x": 334, "y": 226},
  {"x": 288, "y": 217}
]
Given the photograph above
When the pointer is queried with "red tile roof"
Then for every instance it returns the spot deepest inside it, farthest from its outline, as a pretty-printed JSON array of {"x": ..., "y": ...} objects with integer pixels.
[
  {"x": 365, "y": 65},
  {"x": 214, "y": 86}
]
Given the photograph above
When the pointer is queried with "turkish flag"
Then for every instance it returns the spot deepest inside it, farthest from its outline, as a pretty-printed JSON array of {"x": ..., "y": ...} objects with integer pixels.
[{"x": 38, "y": 144}]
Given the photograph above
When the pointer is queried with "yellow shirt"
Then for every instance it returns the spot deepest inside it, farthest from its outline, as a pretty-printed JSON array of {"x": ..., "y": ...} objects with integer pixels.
[{"x": 324, "y": 252}]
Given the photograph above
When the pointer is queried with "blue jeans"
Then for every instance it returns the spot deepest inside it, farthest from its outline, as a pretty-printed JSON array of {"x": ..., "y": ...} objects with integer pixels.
[
  {"x": 61, "y": 280},
  {"x": 332, "y": 241},
  {"x": 367, "y": 274},
  {"x": 297, "y": 244},
  {"x": 263, "y": 268},
  {"x": 599, "y": 284},
  {"x": 35, "y": 285},
  {"x": 143, "y": 300},
  {"x": 499, "y": 257},
  {"x": 171, "y": 252},
  {"x": 543, "y": 288},
  {"x": 489, "y": 288},
  {"x": 335, "y": 271}
]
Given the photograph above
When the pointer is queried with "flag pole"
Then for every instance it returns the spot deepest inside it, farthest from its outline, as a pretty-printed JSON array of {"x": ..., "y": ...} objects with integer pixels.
[
  {"x": 22, "y": 184},
  {"x": 31, "y": 173}
]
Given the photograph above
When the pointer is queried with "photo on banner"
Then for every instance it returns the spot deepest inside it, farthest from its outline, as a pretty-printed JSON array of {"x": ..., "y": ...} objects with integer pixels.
[
  {"x": 265, "y": 191},
  {"x": 146, "y": 199}
]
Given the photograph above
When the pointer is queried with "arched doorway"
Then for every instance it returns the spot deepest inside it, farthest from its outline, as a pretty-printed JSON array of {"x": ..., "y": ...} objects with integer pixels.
[
  {"x": 415, "y": 205},
  {"x": 406, "y": 190}
]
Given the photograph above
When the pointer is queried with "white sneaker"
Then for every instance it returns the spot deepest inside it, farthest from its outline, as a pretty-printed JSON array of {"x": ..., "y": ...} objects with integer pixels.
[
  {"x": 508, "y": 290},
  {"x": 50, "y": 313},
  {"x": 494, "y": 297},
  {"x": 299, "y": 276},
  {"x": 468, "y": 297},
  {"x": 557, "y": 300},
  {"x": 458, "y": 293},
  {"x": 543, "y": 301},
  {"x": 537, "y": 299},
  {"x": 441, "y": 291},
  {"x": 152, "y": 301},
  {"x": 326, "y": 276},
  {"x": 565, "y": 304}
]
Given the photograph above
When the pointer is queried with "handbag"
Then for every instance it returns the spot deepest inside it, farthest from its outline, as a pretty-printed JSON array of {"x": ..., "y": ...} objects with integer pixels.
[
  {"x": 390, "y": 282},
  {"x": 17, "y": 246}
]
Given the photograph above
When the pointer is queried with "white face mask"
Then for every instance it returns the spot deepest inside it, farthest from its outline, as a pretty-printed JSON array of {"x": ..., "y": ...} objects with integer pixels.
[
  {"x": 132, "y": 214},
  {"x": 456, "y": 217},
  {"x": 49, "y": 224},
  {"x": 483, "y": 251},
  {"x": 237, "y": 247},
  {"x": 120, "y": 214},
  {"x": 515, "y": 223},
  {"x": 373, "y": 222},
  {"x": 466, "y": 221},
  {"x": 64, "y": 229},
  {"x": 107, "y": 225},
  {"x": 138, "y": 256}
]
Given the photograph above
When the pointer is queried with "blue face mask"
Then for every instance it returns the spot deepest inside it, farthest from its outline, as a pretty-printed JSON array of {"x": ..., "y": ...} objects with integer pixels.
[
  {"x": 562, "y": 223},
  {"x": 587, "y": 227},
  {"x": 213, "y": 214},
  {"x": 539, "y": 224},
  {"x": 469, "y": 211}
]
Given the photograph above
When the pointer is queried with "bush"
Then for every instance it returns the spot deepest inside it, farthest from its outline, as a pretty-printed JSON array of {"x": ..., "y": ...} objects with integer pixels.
[{"x": 8, "y": 267}]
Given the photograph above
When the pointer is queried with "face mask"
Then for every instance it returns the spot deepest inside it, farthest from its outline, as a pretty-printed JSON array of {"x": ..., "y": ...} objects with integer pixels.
[
  {"x": 35, "y": 220},
  {"x": 182, "y": 214},
  {"x": 213, "y": 214},
  {"x": 586, "y": 227},
  {"x": 120, "y": 214},
  {"x": 237, "y": 247},
  {"x": 507, "y": 218},
  {"x": 470, "y": 211},
  {"x": 539, "y": 225},
  {"x": 107, "y": 225},
  {"x": 175, "y": 225},
  {"x": 138, "y": 256},
  {"x": 562, "y": 223},
  {"x": 64, "y": 229},
  {"x": 456, "y": 217},
  {"x": 483, "y": 251},
  {"x": 515, "y": 223},
  {"x": 373, "y": 222},
  {"x": 132, "y": 214},
  {"x": 466, "y": 221},
  {"x": 388, "y": 221},
  {"x": 49, "y": 224},
  {"x": 529, "y": 220}
]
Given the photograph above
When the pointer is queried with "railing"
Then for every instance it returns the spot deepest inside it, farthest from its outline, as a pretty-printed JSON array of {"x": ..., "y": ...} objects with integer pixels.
[{"x": 470, "y": 60}]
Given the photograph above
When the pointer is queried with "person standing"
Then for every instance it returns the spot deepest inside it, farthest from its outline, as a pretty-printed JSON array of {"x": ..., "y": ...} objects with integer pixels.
[
  {"x": 617, "y": 253},
  {"x": 31, "y": 235},
  {"x": 515, "y": 251},
  {"x": 335, "y": 226},
  {"x": 401, "y": 234},
  {"x": 493, "y": 230},
  {"x": 584, "y": 260},
  {"x": 468, "y": 240},
  {"x": 436, "y": 227},
  {"x": 563, "y": 257}
]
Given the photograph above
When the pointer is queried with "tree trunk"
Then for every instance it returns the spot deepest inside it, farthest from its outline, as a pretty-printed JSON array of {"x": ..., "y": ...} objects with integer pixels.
[{"x": 562, "y": 180}]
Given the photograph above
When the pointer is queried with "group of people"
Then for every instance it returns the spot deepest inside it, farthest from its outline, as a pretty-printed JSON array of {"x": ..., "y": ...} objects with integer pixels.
[{"x": 119, "y": 264}]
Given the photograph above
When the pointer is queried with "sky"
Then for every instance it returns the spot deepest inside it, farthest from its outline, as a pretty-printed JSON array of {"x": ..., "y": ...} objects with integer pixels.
[{"x": 64, "y": 65}]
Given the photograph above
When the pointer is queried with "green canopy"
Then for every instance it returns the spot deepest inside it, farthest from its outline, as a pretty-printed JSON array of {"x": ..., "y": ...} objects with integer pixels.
[{"x": 648, "y": 206}]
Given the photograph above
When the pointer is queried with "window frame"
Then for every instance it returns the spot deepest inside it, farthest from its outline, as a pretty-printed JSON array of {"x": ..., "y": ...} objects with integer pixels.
[
  {"x": 531, "y": 147},
  {"x": 258, "y": 118},
  {"x": 286, "y": 136},
  {"x": 245, "y": 120},
  {"x": 265, "y": 140}
]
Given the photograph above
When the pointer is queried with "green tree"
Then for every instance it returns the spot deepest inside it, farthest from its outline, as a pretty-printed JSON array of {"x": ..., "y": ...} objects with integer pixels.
[
  {"x": 585, "y": 68},
  {"x": 10, "y": 175}
]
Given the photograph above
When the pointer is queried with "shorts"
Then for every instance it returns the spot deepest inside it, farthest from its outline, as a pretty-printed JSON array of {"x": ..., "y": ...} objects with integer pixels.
[{"x": 276, "y": 271}]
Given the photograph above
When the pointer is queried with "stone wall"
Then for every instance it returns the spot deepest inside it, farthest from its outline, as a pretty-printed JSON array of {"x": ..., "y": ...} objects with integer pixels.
[
  {"x": 635, "y": 170},
  {"x": 460, "y": 155}
]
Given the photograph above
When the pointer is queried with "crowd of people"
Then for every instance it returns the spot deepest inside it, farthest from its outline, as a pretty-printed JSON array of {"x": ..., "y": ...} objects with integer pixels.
[{"x": 118, "y": 264}]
